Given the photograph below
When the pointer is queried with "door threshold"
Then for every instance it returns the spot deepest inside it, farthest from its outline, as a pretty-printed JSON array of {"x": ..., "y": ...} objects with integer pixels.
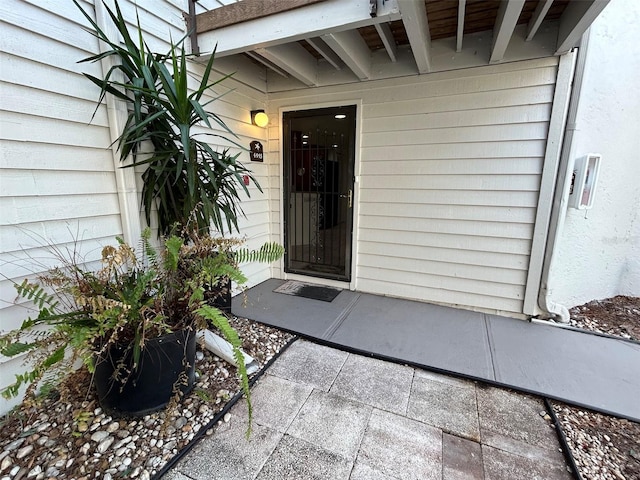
[{"x": 318, "y": 281}]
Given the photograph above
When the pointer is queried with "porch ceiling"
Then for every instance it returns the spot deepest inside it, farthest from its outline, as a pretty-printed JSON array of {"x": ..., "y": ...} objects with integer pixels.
[{"x": 320, "y": 42}]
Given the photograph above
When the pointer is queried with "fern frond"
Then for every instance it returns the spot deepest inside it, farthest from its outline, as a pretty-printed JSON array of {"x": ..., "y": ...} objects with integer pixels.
[
  {"x": 269, "y": 252},
  {"x": 14, "y": 349},
  {"x": 214, "y": 272},
  {"x": 56, "y": 357},
  {"x": 218, "y": 319},
  {"x": 149, "y": 252},
  {"x": 172, "y": 253},
  {"x": 36, "y": 293},
  {"x": 34, "y": 375}
]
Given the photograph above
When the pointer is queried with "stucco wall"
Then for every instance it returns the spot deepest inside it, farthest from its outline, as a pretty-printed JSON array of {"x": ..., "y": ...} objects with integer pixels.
[{"x": 599, "y": 254}]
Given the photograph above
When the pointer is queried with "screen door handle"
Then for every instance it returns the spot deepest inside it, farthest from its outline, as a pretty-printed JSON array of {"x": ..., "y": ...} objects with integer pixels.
[{"x": 349, "y": 197}]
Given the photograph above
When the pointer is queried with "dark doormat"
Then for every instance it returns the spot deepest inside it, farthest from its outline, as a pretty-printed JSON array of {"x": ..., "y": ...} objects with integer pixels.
[{"x": 306, "y": 290}]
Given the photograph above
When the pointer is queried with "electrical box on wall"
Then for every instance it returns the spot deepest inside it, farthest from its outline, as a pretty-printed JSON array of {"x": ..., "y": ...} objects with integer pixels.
[{"x": 584, "y": 181}]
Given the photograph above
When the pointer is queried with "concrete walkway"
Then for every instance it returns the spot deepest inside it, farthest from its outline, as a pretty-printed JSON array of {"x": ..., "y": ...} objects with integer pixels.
[
  {"x": 322, "y": 413},
  {"x": 579, "y": 368}
]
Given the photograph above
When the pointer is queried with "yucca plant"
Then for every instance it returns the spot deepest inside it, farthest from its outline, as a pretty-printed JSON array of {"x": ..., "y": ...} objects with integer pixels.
[{"x": 186, "y": 180}]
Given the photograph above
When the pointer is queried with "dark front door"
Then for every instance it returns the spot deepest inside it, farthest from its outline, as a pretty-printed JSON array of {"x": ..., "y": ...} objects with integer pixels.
[{"x": 319, "y": 155}]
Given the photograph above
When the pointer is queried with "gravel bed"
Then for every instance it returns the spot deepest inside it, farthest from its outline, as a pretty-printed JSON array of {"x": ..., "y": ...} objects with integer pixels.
[
  {"x": 67, "y": 436},
  {"x": 618, "y": 316},
  {"x": 604, "y": 447}
]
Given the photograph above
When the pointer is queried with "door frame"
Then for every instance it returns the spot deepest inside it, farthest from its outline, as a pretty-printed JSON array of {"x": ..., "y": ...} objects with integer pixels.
[{"x": 352, "y": 285}]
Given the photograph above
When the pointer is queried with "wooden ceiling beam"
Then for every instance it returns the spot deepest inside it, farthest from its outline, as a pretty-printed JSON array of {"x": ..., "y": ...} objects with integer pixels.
[
  {"x": 537, "y": 18},
  {"x": 352, "y": 50},
  {"x": 575, "y": 20},
  {"x": 326, "y": 52},
  {"x": 460, "y": 30},
  {"x": 384, "y": 31},
  {"x": 506, "y": 21},
  {"x": 414, "y": 18},
  {"x": 268, "y": 64},
  {"x": 293, "y": 59}
]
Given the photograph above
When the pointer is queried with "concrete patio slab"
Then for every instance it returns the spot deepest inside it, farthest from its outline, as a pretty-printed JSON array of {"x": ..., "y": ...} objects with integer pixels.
[
  {"x": 228, "y": 455},
  {"x": 450, "y": 407},
  {"x": 335, "y": 437},
  {"x": 310, "y": 364},
  {"x": 590, "y": 370},
  {"x": 461, "y": 459},
  {"x": 441, "y": 337},
  {"x": 442, "y": 378},
  {"x": 175, "y": 475},
  {"x": 277, "y": 309},
  {"x": 364, "y": 472},
  {"x": 500, "y": 465},
  {"x": 380, "y": 384},
  {"x": 295, "y": 459},
  {"x": 522, "y": 449},
  {"x": 275, "y": 401},
  {"x": 513, "y": 415},
  {"x": 575, "y": 367},
  {"x": 402, "y": 448},
  {"x": 332, "y": 422}
]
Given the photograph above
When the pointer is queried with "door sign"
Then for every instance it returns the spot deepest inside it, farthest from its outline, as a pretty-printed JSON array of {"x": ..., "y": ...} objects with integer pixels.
[{"x": 255, "y": 152}]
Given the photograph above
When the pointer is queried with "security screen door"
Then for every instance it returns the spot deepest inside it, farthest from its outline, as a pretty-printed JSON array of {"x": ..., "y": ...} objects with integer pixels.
[{"x": 319, "y": 155}]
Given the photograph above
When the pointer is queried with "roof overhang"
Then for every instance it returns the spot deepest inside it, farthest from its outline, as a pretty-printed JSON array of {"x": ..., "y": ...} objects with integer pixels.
[{"x": 321, "y": 42}]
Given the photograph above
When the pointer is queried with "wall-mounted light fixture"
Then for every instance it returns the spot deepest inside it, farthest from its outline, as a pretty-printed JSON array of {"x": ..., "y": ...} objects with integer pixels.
[{"x": 259, "y": 118}]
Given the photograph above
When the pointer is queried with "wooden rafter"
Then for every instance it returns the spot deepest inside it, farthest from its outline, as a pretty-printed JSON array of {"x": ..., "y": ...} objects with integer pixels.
[
  {"x": 268, "y": 64},
  {"x": 414, "y": 18},
  {"x": 505, "y": 25},
  {"x": 386, "y": 36},
  {"x": 353, "y": 51},
  {"x": 293, "y": 59},
  {"x": 460, "y": 30},
  {"x": 537, "y": 18},
  {"x": 326, "y": 53}
]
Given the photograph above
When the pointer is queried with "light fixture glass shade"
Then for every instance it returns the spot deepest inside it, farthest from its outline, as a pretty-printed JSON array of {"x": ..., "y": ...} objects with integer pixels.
[{"x": 259, "y": 118}]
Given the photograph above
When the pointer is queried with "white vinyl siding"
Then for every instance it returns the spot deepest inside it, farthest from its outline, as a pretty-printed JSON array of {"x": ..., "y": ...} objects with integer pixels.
[
  {"x": 57, "y": 182},
  {"x": 449, "y": 175},
  {"x": 234, "y": 108}
]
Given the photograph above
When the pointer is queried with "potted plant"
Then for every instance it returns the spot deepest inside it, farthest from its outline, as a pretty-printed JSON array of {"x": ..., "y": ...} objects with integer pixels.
[
  {"x": 186, "y": 180},
  {"x": 132, "y": 322},
  {"x": 188, "y": 184},
  {"x": 116, "y": 318}
]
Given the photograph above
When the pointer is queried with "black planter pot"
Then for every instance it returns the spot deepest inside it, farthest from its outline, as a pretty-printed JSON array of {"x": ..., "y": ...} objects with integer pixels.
[{"x": 167, "y": 363}]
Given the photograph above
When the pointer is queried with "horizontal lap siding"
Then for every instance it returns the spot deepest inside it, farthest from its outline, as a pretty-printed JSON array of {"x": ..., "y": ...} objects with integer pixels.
[
  {"x": 233, "y": 106},
  {"x": 448, "y": 198},
  {"x": 57, "y": 167},
  {"x": 58, "y": 180},
  {"x": 450, "y": 170},
  {"x": 58, "y": 184}
]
